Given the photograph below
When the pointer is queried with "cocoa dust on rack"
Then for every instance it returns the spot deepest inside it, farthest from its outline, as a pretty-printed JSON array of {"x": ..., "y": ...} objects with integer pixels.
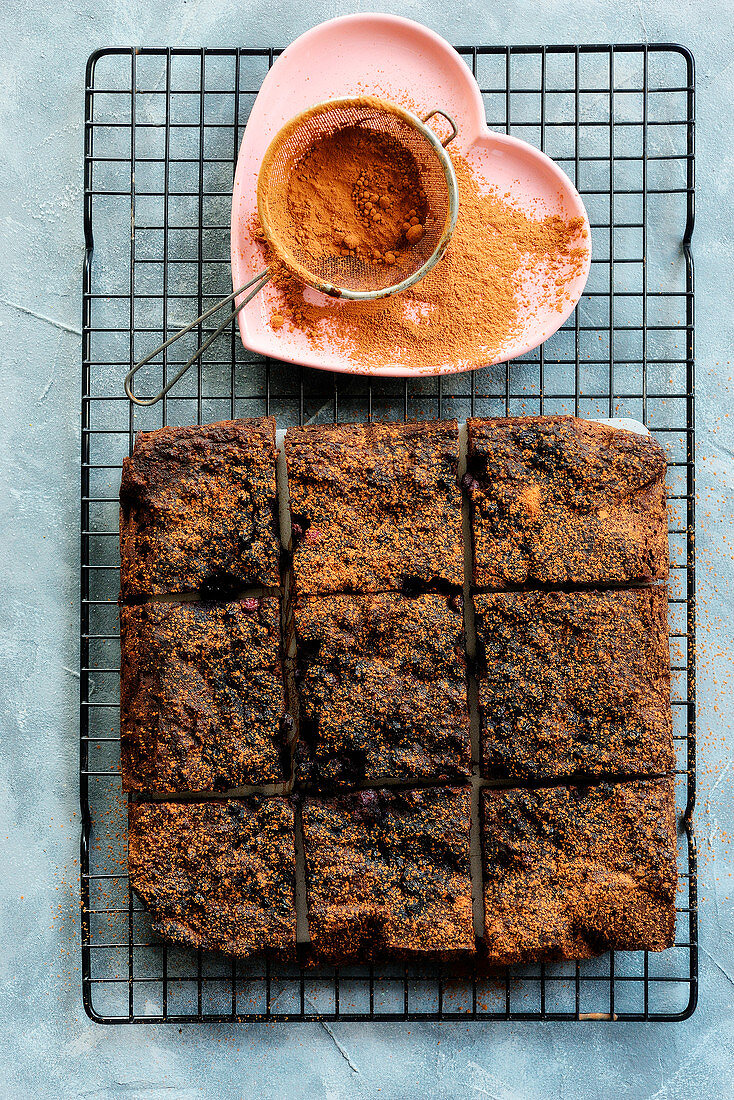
[{"x": 467, "y": 310}]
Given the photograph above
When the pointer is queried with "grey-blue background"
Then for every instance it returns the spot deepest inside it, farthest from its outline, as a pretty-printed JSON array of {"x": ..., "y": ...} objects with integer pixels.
[{"x": 49, "y": 1048}]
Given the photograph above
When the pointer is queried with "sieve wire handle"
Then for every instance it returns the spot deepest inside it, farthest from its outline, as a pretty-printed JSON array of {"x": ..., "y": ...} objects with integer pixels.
[
  {"x": 255, "y": 285},
  {"x": 449, "y": 119}
]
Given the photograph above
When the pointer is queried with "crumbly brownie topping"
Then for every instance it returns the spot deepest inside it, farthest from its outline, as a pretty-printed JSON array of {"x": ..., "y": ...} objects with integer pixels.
[
  {"x": 571, "y": 872},
  {"x": 198, "y": 510},
  {"x": 387, "y": 874},
  {"x": 201, "y": 696},
  {"x": 574, "y": 683},
  {"x": 382, "y": 688},
  {"x": 217, "y": 875},
  {"x": 558, "y": 500},
  {"x": 375, "y": 506}
]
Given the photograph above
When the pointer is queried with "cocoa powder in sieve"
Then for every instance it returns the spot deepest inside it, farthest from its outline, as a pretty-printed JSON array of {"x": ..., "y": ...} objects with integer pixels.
[
  {"x": 467, "y": 309},
  {"x": 356, "y": 192}
]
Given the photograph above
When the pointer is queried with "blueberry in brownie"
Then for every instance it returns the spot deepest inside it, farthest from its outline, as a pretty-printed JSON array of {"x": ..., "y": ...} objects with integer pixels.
[
  {"x": 382, "y": 688},
  {"x": 558, "y": 500},
  {"x": 198, "y": 510},
  {"x": 375, "y": 506},
  {"x": 575, "y": 682},
  {"x": 572, "y": 872},
  {"x": 201, "y": 696},
  {"x": 217, "y": 875},
  {"x": 387, "y": 874}
]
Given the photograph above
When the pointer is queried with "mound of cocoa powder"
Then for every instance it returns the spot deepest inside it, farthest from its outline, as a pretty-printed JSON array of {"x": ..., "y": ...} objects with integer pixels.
[{"x": 355, "y": 192}]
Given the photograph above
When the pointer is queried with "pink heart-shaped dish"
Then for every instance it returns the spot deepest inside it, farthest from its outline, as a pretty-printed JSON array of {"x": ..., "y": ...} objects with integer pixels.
[{"x": 405, "y": 62}]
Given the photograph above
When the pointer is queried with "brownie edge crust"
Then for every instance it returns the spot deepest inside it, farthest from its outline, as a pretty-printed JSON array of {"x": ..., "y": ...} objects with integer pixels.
[
  {"x": 388, "y": 875},
  {"x": 217, "y": 875},
  {"x": 572, "y": 872},
  {"x": 559, "y": 500},
  {"x": 198, "y": 510}
]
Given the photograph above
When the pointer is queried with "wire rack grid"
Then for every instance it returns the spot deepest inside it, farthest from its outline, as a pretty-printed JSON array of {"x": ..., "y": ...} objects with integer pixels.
[{"x": 162, "y": 131}]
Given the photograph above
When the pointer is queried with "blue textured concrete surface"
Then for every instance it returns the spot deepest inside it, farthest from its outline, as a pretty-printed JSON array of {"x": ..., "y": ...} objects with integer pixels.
[{"x": 49, "y": 1047}]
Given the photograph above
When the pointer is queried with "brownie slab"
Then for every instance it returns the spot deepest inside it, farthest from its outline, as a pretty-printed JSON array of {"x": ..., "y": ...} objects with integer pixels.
[
  {"x": 217, "y": 875},
  {"x": 387, "y": 874},
  {"x": 198, "y": 510},
  {"x": 572, "y": 872},
  {"x": 574, "y": 682},
  {"x": 201, "y": 696},
  {"x": 375, "y": 506},
  {"x": 382, "y": 688},
  {"x": 558, "y": 500}
]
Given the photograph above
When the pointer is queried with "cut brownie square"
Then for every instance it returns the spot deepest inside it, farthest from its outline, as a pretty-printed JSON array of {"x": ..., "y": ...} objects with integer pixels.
[
  {"x": 558, "y": 500},
  {"x": 198, "y": 510},
  {"x": 201, "y": 696},
  {"x": 217, "y": 875},
  {"x": 572, "y": 872},
  {"x": 388, "y": 874},
  {"x": 382, "y": 688},
  {"x": 574, "y": 682},
  {"x": 375, "y": 506}
]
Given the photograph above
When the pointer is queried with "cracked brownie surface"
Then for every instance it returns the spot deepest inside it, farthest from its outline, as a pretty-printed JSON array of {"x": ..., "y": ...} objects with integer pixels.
[
  {"x": 574, "y": 682},
  {"x": 198, "y": 510},
  {"x": 201, "y": 696},
  {"x": 559, "y": 500},
  {"x": 387, "y": 874},
  {"x": 382, "y": 688},
  {"x": 375, "y": 506},
  {"x": 572, "y": 872},
  {"x": 217, "y": 875}
]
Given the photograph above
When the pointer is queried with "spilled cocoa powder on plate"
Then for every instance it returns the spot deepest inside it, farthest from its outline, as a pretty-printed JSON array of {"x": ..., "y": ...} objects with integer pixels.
[{"x": 467, "y": 309}]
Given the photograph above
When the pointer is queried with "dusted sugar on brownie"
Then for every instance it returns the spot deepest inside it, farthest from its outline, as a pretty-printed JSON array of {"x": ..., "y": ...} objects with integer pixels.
[
  {"x": 574, "y": 682},
  {"x": 375, "y": 506},
  {"x": 217, "y": 875},
  {"x": 198, "y": 510},
  {"x": 201, "y": 696},
  {"x": 382, "y": 688},
  {"x": 571, "y": 872},
  {"x": 558, "y": 500},
  {"x": 388, "y": 874}
]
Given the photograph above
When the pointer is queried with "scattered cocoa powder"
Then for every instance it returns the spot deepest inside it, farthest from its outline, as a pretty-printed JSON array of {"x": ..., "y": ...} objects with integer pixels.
[{"x": 469, "y": 307}]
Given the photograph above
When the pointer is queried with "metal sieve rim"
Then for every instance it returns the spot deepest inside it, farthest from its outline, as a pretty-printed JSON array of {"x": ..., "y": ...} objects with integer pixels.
[{"x": 426, "y": 132}]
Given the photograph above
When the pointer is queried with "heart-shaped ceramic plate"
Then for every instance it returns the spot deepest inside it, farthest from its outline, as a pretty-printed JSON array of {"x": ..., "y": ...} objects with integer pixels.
[{"x": 402, "y": 61}]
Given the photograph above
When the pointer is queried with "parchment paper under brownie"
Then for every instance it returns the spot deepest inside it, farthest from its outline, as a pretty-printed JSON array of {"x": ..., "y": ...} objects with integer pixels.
[
  {"x": 574, "y": 683},
  {"x": 201, "y": 696},
  {"x": 198, "y": 510},
  {"x": 217, "y": 875},
  {"x": 559, "y": 500},
  {"x": 382, "y": 688},
  {"x": 387, "y": 874},
  {"x": 571, "y": 872},
  {"x": 374, "y": 506}
]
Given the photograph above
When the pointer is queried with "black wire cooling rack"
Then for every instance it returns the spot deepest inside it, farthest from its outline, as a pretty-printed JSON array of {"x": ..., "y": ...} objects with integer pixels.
[{"x": 162, "y": 131}]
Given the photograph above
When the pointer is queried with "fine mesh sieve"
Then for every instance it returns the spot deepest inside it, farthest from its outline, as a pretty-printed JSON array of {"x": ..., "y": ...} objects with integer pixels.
[
  {"x": 390, "y": 129},
  {"x": 355, "y": 276}
]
